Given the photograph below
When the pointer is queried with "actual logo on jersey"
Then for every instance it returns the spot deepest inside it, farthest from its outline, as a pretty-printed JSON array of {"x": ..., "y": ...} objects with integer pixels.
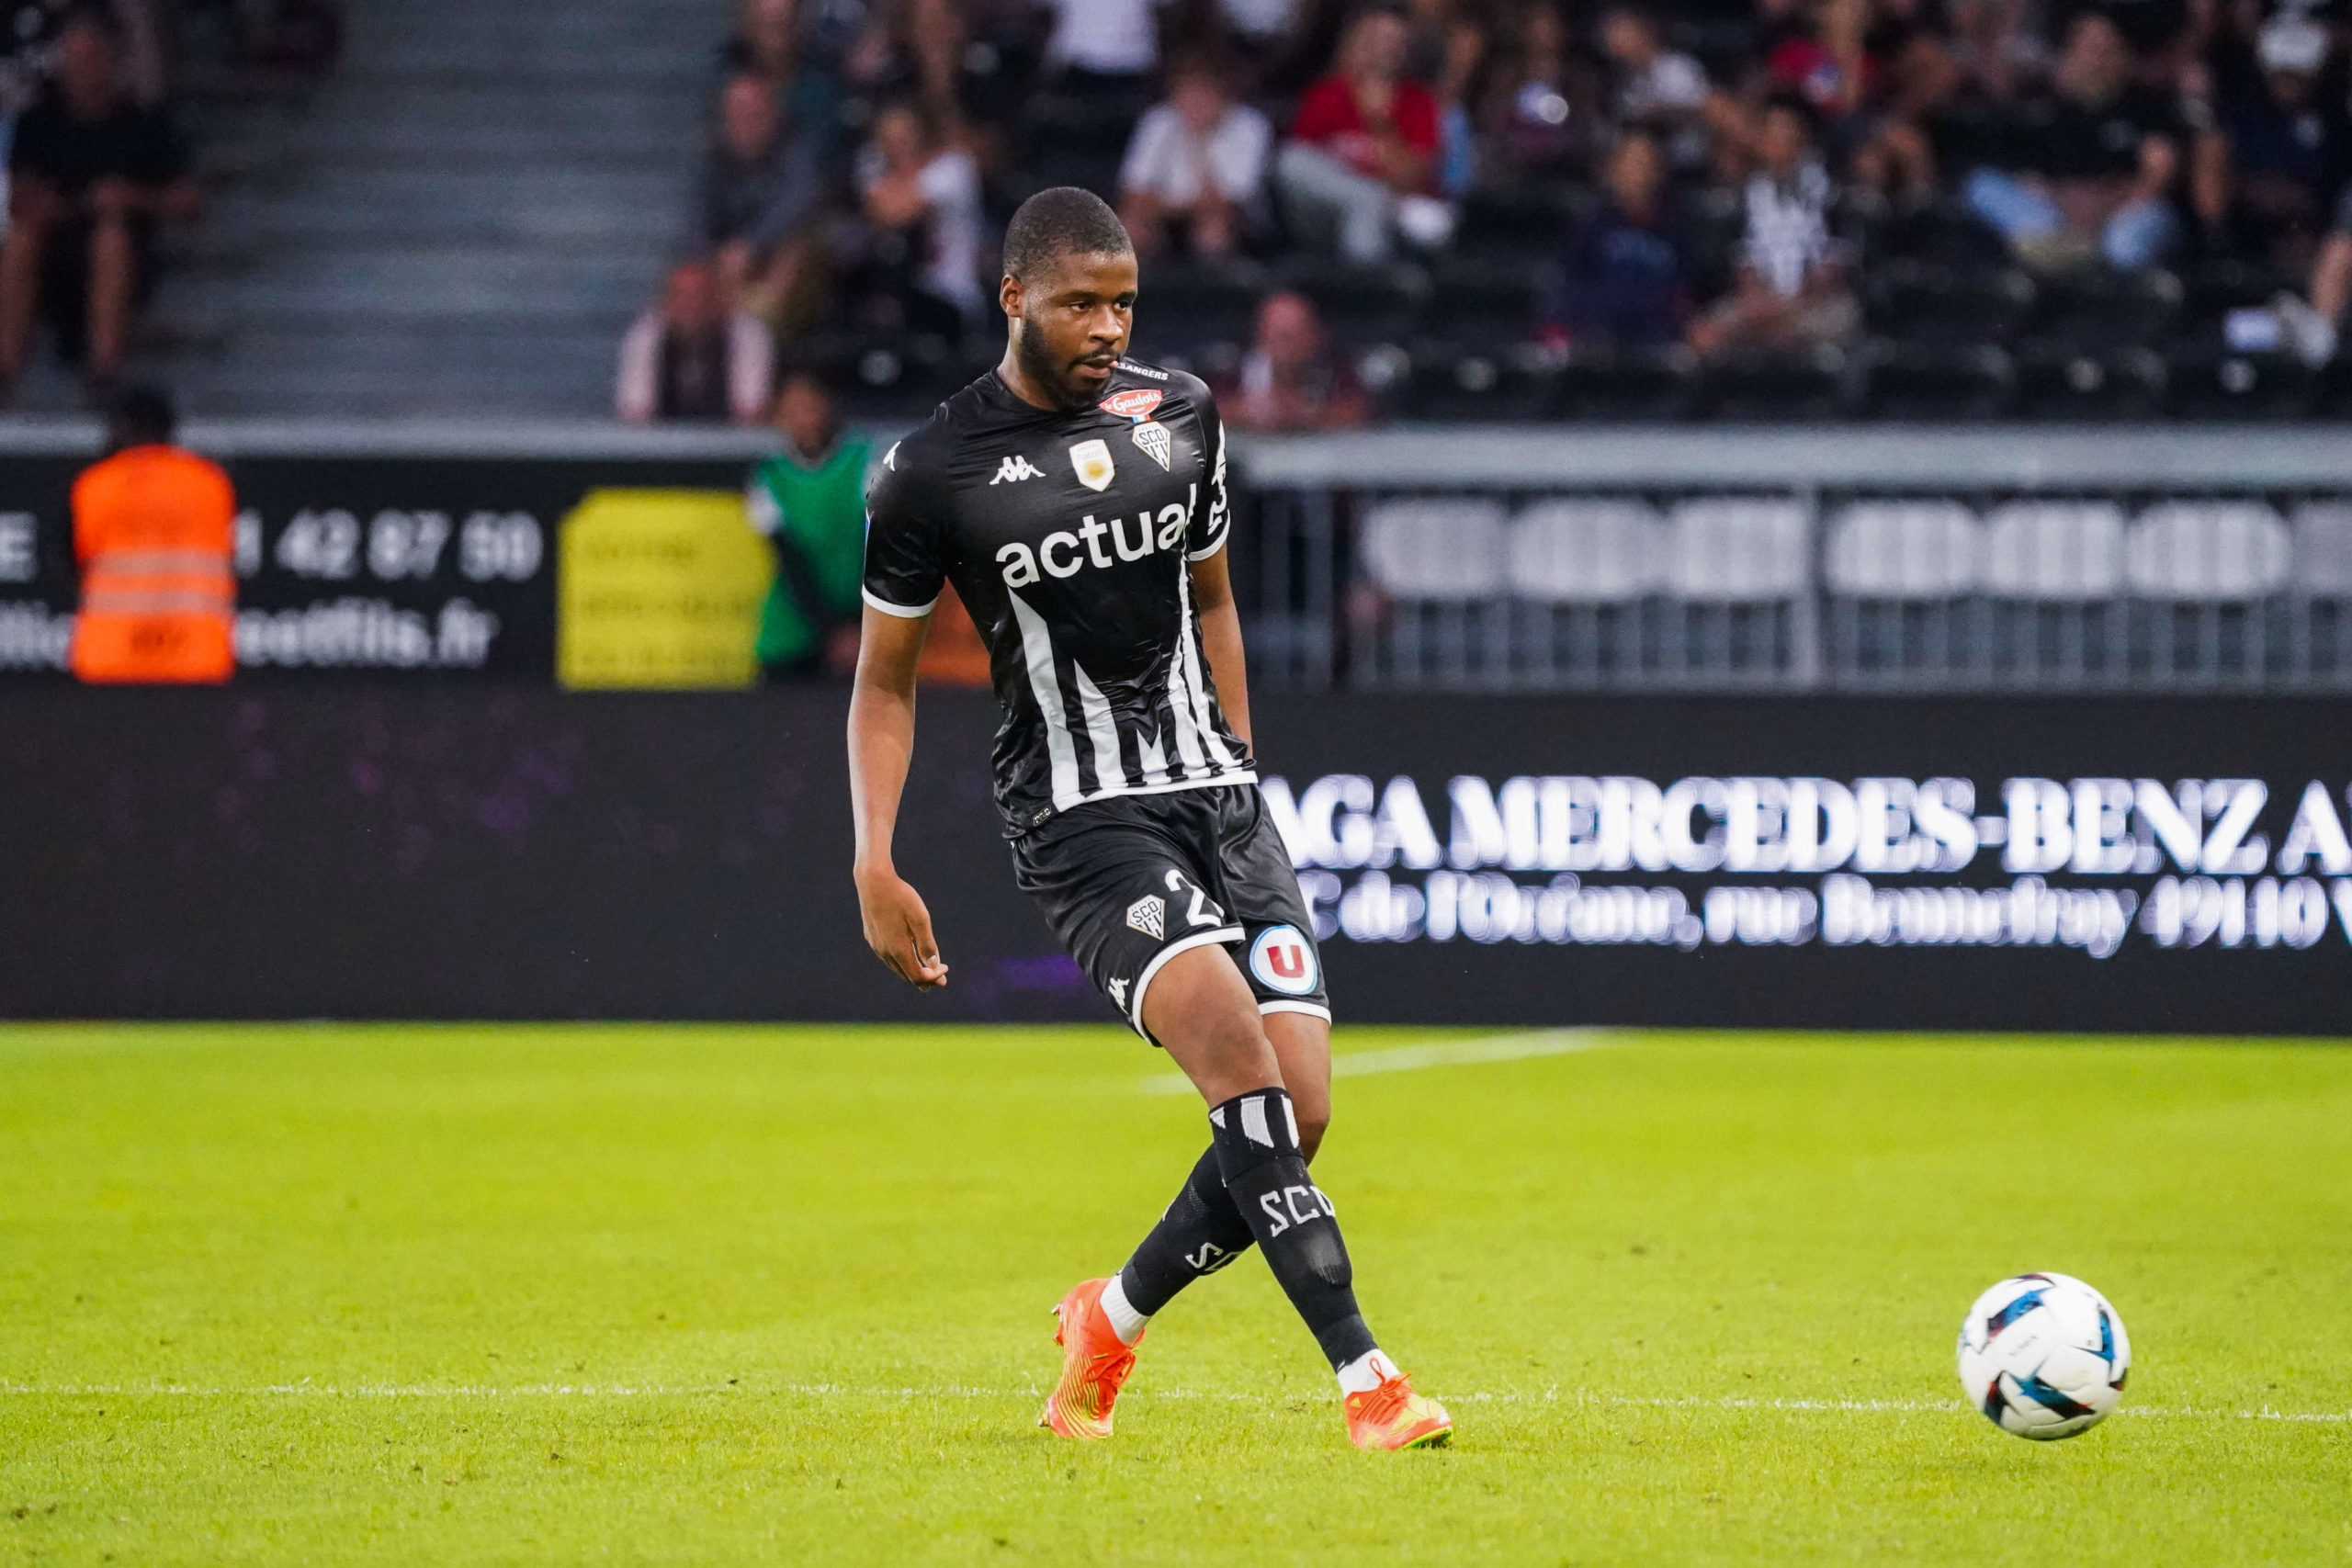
[
  {"x": 1283, "y": 961},
  {"x": 1135, "y": 402},
  {"x": 1155, "y": 440},
  {"x": 1118, "y": 989},
  {"x": 1092, "y": 461},
  {"x": 1012, "y": 470},
  {"x": 1148, "y": 915}
]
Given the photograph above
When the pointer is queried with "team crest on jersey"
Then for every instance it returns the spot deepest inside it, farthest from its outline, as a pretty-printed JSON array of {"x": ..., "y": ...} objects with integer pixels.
[
  {"x": 1157, "y": 443},
  {"x": 1135, "y": 402},
  {"x": 1283, "y": 961},
  {"x": 1150, "y": 915},
  {"x": 1092, "y": 461}
]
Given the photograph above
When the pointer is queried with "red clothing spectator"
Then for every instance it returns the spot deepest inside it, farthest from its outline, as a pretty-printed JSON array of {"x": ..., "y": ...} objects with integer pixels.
[{"x": 1331, "y": 117}]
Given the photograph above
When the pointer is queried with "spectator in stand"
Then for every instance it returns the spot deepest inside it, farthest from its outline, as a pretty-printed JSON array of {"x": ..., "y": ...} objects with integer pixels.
[
  {"x": 1445, "y": 50},
  {"x": 1624, "y": 278},
  {"x": 1542, "y": 111},
  {"x": 1825, "y": 61},
  {"x": 761, "y": 181},
  {"x": 1290, "y": 379},
  {"x": 91, "y": 176},
  {"x": 1197, "y": 162},
  {"x": 1657, "y": 89},
  {"x": 696, "y": 356},
  {"x": 1105, "y": 49},
  {"x": 1790, "y": 292},
  {"x": 1362, "y": 152},
  {"x": 810, "y": 500},
  {"x": 921, "y": 199},
  {"x": 2266, "y": 178},
  {"x": 2103, "y": 154}
]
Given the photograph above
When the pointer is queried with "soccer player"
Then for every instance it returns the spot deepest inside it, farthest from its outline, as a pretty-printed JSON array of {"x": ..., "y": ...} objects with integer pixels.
[{"x": 1076, "y": 500}]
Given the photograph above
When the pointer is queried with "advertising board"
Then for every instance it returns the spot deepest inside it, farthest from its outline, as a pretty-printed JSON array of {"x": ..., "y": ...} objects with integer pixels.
[{"x": 276, "y": 849}]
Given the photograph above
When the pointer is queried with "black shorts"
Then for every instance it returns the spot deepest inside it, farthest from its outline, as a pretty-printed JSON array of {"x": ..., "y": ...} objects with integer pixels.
[{"x": 1129, "y": 883}]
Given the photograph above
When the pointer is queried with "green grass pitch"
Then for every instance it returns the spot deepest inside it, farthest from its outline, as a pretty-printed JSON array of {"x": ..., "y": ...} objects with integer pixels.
[{"x": 423, "y": 1296}]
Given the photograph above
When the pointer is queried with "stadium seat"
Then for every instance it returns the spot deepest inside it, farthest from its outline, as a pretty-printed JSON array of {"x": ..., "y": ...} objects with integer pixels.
[
  {"x": 1444, "y": 549},
  {"x": 2324, "y": 549},
  {"x": 1925, "y": 381},
  {"x": 1736, "y": 549},
  {"x": 1185, "y": 305},
  {"x": 1500, "y": 383},
  {"x": 2060, "y": 551},
  {"x": 1947, "y": 232},
  {"x": 1586, "y": 551},
  {"x": 1364, "y": 305},
  {"x": 1628, "y": 384},
  {"x": 2332, "y": 388},
  {"x": 1931, "y": 302},
  {"x": 2100, "y": 307},
  {"x": 2209, "y": 383},
  {"x": 2210, "y": 289},
  {"x": 1816, "y": 384},
  {"x": 1480, "y": 305},
  {"x": 2207, "y": 551},
  {"x": 1517, "y": 225},
  {"x": 1904, "y": 549},
  {"x": 2063, "y": 381}
]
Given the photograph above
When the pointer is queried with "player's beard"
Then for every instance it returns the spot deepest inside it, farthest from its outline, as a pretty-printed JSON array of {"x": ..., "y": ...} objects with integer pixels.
[{"x": 1047, "y": 374}]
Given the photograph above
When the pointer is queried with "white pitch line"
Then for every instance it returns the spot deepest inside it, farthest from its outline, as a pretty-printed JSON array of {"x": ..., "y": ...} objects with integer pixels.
[
  {"x": 1512, "y": 1047},
  {"x": 964, "y": 1390}
]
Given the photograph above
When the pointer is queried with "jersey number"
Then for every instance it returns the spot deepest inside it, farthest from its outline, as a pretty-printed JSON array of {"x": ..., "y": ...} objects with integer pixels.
[{"x": 1201, "y": 912}]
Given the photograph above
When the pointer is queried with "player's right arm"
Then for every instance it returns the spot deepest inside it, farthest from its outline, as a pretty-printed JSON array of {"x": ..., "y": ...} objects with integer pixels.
[
  {"x": 903, "y": 577},
  {"x": 881, "y": 745}
]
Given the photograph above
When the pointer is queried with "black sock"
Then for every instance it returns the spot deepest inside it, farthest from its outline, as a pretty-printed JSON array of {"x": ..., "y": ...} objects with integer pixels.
[
  {"x": 1200, "y": 1233},
  {"x": 1257, "y": 1150}
]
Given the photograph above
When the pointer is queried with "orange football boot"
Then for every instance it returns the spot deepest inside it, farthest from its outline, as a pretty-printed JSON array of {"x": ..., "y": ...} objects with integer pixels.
[
  {"x": 1394, "y": 1417},
  {"x": 1094, "y": 1365}
]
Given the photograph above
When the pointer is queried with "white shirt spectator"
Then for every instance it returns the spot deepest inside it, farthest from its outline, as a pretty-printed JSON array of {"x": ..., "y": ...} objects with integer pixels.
[
  {"x": 1111, "y": 38},
  {"x": 751, "y": 369},
  {"x": 1259, "y": 18},
  {"x": 952, "y": 181},
  {"x": 1671, "y": 84},
  {"x": 1167, "y": 160},
  {"x": 1788, "y": 228}
]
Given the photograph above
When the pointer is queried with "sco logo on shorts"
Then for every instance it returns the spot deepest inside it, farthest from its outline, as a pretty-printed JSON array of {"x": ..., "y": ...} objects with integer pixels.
[{"x": 1283, "y": 961}]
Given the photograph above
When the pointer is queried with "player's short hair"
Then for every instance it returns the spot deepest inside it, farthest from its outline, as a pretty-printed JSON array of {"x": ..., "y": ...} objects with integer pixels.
[
  {"x": 1062, "y": 222},
  {"x": 141, "y": 416}
]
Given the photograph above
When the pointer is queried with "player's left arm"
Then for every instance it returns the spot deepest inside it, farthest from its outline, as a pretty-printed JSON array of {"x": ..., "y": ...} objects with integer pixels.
[{"x": 1221, "y": 639}]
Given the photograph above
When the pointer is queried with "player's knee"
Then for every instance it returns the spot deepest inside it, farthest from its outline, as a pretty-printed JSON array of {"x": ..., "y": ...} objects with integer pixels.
[{"x": 1311, "y": 1123}]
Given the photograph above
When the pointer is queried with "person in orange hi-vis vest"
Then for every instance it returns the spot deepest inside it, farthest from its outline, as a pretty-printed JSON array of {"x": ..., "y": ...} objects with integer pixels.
[{"x": 154, "y": 529}]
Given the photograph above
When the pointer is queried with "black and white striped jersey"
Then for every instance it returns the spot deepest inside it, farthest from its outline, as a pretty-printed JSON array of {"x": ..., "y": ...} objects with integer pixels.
[{"x": 1069, "y": 538}]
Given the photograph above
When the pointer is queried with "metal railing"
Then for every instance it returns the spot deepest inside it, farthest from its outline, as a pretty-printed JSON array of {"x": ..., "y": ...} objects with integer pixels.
[{"x": 1860, "y": 560}]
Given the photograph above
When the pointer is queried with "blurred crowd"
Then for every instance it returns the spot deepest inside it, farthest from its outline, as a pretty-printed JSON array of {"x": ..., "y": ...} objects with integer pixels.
[
  {"x": 98, "y": 166},
  {"x": 1722, "y": 176}
]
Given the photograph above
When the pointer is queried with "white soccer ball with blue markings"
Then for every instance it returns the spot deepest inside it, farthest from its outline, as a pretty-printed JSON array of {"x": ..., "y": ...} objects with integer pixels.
[{"x": 2043, "y": 1356}]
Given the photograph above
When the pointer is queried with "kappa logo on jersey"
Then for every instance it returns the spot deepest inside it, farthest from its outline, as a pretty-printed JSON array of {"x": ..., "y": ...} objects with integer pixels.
[
  {"x": 1118, "y": 989},
  {"x": 1148, "y": 915},
  {"x": 1012, "y": 470},
  {"x": 1156, "y": 441},
  {"x": 1135, "y": 402},
  {"x": 1092, "y": 461},
  {"x": 1283, "y": 961}
]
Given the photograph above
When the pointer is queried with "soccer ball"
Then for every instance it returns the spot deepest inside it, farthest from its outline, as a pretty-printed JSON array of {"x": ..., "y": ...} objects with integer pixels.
[{"x": 2043, "y": 1356}]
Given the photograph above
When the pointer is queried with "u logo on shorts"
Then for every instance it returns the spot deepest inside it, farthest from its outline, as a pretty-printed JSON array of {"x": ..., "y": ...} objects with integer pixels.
[{"x": 1282, "y": 960}]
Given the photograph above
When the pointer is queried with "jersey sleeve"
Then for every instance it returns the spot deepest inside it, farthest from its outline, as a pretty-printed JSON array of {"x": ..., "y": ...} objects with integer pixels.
[
  {"x": 905, "y": 563},
  {"x": 1212, "y": 517}
]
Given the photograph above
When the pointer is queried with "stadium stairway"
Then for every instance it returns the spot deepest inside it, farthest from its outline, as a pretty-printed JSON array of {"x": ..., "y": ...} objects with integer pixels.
[{"x": 460, "y": 220}]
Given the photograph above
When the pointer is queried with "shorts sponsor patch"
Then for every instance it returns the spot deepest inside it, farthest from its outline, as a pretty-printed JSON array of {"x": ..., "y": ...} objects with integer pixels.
[
  {"x": 1282, "y": 960},
  {"x": 1148, "y": 915}
]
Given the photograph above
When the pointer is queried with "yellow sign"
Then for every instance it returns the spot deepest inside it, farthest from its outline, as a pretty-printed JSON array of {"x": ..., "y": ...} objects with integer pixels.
[{"x": 660, "y": 588}]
